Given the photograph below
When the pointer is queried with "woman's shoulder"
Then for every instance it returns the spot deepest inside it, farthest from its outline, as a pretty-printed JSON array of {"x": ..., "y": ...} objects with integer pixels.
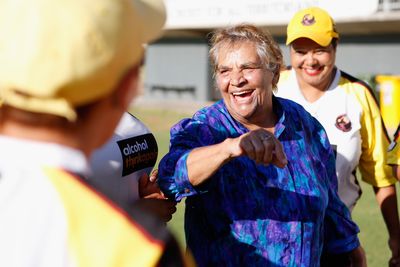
[
  {"x": 216, "y": 106},
  {"x": 207, "y": 115},
  {"x": 291, "y": 107},
  {"x": 355, "y": 86},
  {"x": 211, "y": 113},
  {"x": 297, "y": 115}
]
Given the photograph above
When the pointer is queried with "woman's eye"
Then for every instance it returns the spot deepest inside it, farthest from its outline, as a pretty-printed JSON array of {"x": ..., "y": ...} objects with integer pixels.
[
  {"x": 320, "y": 52},
  {"x": 248, "y": 70},
  {"x": 252, "y": 68}
]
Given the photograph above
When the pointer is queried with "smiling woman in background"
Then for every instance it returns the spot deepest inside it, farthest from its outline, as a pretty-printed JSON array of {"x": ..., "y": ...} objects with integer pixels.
[
  {"x": 346, "y": 108},
  {"x": 258, "y": 171}
]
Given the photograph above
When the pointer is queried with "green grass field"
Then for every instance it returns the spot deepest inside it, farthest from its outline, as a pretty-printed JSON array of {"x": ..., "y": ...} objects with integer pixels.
[{"x": 366, "y": 214}]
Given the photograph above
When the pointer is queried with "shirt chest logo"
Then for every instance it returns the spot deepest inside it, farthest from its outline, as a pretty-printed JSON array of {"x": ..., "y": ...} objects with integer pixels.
[{"x": 343, "y": 123}]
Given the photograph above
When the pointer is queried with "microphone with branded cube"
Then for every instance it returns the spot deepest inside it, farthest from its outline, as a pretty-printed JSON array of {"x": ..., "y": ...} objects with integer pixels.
[{"x": 118, "y": 165}]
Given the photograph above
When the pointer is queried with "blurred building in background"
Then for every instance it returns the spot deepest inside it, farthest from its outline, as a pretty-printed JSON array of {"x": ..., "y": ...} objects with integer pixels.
[{"x": 177, "y": 66}]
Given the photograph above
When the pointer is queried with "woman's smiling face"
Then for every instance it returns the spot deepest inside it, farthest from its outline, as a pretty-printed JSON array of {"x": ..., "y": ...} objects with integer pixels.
[
  {"x": 312, "y": 63},
  {"x": 244, "y": 82}
]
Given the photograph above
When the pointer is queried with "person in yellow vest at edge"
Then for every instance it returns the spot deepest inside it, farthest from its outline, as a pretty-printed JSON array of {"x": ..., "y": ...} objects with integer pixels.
[
  {"x": 393, "y": 160},
  {"x": 69, "y": 70},
  {"x": 394, "y": 153},
  {"x": 346, "y": 108}
]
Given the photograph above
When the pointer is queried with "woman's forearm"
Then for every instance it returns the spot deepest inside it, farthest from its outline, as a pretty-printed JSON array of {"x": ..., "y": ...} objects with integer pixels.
[{"x": 203, "y": 162}]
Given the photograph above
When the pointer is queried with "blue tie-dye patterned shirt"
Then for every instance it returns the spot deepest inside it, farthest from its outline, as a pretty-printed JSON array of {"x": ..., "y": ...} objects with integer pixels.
[{"x": 249, "y": 214}]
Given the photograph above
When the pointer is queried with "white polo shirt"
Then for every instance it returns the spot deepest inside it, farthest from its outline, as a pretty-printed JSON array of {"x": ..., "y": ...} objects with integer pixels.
[{"x": 350, "y": 115}]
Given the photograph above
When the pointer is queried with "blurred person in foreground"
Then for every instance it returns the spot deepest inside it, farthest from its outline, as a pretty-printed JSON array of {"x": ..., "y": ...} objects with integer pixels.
[
  {"x": 346, "y": 108},
  {"x": 69, "y": 70},
  {"x": 257, "y": 171},
  {"x": 123, "y": 169}
]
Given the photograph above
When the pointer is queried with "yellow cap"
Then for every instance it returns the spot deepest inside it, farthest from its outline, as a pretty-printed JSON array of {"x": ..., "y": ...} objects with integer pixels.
[
  {"x": 313, "y": 23},
  {"x": 57, "y": 55}
]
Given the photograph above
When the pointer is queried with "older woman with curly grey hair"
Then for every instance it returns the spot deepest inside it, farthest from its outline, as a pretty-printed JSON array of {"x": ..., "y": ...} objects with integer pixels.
[{"x": 257, "y": 171}]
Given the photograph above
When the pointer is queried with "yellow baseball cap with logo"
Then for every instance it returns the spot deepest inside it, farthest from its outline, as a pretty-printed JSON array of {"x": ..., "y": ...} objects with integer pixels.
[
  {"x": 313, "y": 23},
  {"x": 57, "y": 55}
]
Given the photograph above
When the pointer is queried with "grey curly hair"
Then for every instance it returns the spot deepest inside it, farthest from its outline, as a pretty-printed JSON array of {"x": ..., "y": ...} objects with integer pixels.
[{"x": 267, "y": 49}]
